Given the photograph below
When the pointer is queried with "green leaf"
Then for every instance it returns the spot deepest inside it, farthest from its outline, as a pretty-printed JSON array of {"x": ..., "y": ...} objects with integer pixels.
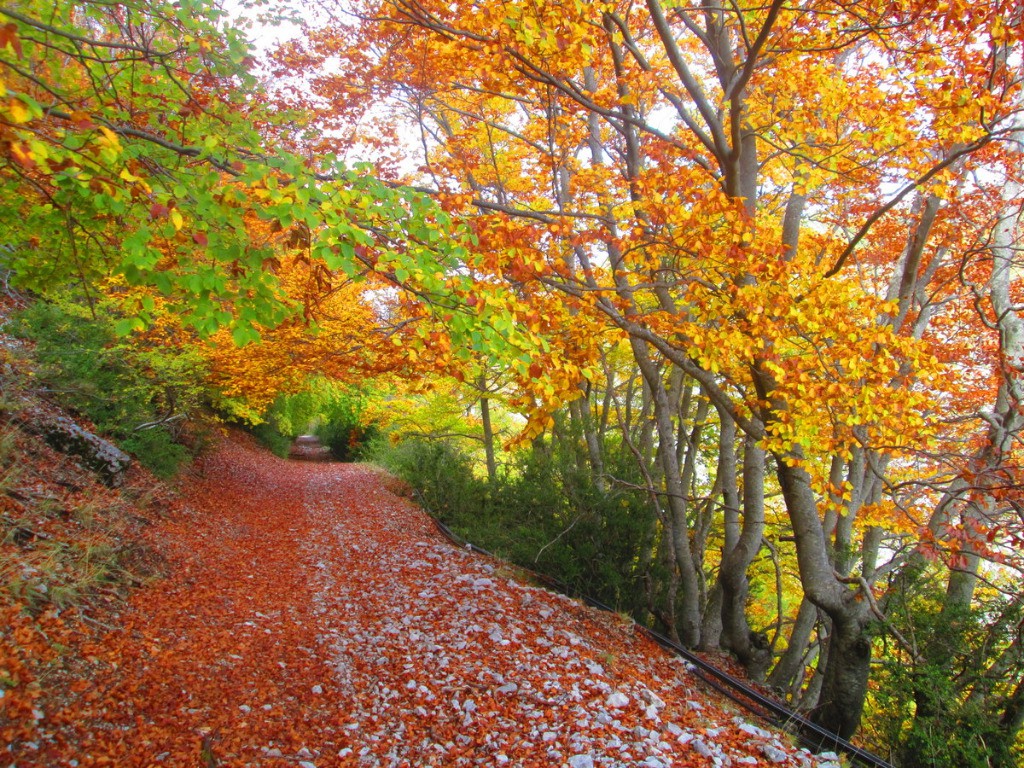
[
  {"x": 127, "y": 325},
  {"x": 244, "y": 334}
]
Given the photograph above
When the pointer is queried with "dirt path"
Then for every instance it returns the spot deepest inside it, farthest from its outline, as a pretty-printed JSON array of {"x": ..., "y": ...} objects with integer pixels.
[{"x": 314, "y": 618}]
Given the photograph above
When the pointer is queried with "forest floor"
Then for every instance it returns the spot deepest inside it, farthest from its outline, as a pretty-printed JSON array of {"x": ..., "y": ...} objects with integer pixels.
[{"x": 310, "y": 615}]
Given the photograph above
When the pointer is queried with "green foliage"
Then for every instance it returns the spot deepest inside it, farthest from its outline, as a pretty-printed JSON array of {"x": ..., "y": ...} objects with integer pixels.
[
  {"x": 545, "y": 514},
  {"x": 135, "y": 392},
  {"x": 159, "y": 158},
  {"x": 945, "y": 708},
  {"x": 331, "y": 411},
  {"x": 94, "y": 166},
  {"x": 157, "y": 450},
  {"x": 341, "y": 425},
  {"x": 441, "y": 473},
  {"x": 270, "y": 436},
  {"x": 292, "y": 414}
]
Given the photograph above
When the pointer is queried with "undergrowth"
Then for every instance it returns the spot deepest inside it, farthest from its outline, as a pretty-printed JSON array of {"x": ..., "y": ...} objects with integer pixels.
[
  {"x": 70, "y": 548},
  {"x": 542, "y": 513},
  {"x": 139, "y": 394}
]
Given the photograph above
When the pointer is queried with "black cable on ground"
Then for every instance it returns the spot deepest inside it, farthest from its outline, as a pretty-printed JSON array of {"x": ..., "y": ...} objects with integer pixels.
[{"x": 809, "y": 733}]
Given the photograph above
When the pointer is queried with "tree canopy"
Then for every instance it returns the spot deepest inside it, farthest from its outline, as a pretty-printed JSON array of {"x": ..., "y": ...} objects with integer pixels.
[{"x": 764, "y": 254}]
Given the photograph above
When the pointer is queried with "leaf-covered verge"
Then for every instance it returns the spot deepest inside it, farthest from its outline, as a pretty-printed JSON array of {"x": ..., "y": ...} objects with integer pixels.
[{"x": 71, "y": 549}]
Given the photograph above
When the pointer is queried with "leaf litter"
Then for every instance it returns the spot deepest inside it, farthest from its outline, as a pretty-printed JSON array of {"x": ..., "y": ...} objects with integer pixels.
[{"x": 313, "y": 617}]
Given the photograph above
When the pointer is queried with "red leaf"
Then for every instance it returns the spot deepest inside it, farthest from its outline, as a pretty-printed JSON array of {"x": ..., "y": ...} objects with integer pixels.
[
  {"x": 158, "y": 211},
  {"x": 82, "y": 121},
  {"x": 200, "y": 239},
  {"x": 9, "y": 36}
]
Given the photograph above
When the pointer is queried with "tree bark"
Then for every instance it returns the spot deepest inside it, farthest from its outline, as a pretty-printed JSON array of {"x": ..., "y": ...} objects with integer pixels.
[
  {"x": 846, "y": 671},
  {"x": 485, "y": 420},
  {"x": 688, "y": 616},
  {"x": 742, "y": 545},
  {"x": 789, "y": 668}
]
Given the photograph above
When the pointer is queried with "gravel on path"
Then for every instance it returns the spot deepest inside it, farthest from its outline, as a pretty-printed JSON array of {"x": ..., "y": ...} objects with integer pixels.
[{"x": 314, "y": 618}]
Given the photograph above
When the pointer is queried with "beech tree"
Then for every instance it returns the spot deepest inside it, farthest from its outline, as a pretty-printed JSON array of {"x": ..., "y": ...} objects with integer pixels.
[
  {"x": 774, "y": 204},
  {"x": 135, "y": 142}
]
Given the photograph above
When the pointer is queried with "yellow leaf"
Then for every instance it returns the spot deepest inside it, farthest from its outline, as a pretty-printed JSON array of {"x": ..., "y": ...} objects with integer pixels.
[
  {"x": 128, "y": 176},
  {"x": 22, "y": 155},
  {"x": 111, "y": 137},
  {"x": 19, "y": 111},
  {"x": 131, "y": 178},
  {"x": 176, "y": 219}
]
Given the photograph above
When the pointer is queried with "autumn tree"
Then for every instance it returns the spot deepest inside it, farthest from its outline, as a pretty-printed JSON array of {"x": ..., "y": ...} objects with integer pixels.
[
  {"x": 135, "y": 142},
  {"x": 773, "y": 204}
]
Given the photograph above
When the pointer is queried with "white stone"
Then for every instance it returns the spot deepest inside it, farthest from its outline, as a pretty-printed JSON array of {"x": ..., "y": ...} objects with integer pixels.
[
  {"x": 617, "y": 700},
  {"x": 753, "y": 730},
  {"x": 702, "y": 749},
  {"x": 651, "y": 698},
  {"x": 581, "y": 761},
  {"x": 774, "y": 754}
]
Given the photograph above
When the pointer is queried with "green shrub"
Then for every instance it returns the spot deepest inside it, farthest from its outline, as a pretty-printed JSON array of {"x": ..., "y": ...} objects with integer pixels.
[
  {"x": 333, "y": 412},
  {"x": 948, "y": 707},
  {"x": 340, "y": 425},
  {"x": 135, "y": 391},
  {"x": 270, "y": 437},
  {"x": 544, "y": 513},
  {"x": 158, "y": 451}
]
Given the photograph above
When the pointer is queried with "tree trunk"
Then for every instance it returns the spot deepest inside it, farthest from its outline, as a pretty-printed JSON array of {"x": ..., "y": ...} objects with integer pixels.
[
  {"x": 711, "y": 625},
  {"x": 485, "y": 420},
  {"x": 790, "y": 666},
  {"x": 688, "y": 616},
  {"x": 751, "y": 649},
  {"x": 579, "y": 411},
  {"x": 845, "y": 676}
]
